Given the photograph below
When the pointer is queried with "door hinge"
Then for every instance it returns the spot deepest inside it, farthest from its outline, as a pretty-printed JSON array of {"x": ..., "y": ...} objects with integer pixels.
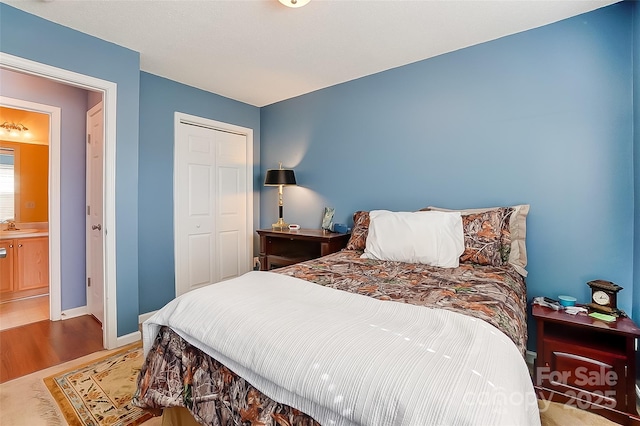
[
  {"x": 88, "y": 210},
  {"x": 89, "y": 138},
  {"x": 89, "y": 282}
]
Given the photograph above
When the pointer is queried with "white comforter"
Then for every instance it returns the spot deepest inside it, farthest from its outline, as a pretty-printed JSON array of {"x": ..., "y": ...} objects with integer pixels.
[{"x": 348, "y": 359}]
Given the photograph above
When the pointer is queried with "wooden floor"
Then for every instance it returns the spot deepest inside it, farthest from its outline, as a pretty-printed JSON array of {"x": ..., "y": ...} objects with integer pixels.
[
  {"x": 42, "y": 344},
  {"x": 24, "y": 311}
]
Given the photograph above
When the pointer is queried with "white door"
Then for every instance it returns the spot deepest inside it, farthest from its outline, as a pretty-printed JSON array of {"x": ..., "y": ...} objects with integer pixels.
[
  {"x": 211, "y": 192},
  {"x": 95, "y": 234}
]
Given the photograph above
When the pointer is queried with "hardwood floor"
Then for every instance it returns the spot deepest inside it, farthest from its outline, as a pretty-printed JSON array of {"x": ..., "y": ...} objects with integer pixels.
[
  {"x": 43, "y": 344},
  {"x": 23, "y": 311}
]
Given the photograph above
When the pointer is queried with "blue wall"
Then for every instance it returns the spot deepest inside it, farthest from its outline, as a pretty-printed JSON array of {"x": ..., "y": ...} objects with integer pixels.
[
  {"x": 39, "y": 40},
  {"x": 72, "y": 102},
  {"x": 542, "y": 117},
  {"x": 636, "y": 162},
  {"x": 159, "y": 99}
]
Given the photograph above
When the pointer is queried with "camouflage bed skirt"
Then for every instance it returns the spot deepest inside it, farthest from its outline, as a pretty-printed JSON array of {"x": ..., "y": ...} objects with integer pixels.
[{"x": 176, "y": 374}]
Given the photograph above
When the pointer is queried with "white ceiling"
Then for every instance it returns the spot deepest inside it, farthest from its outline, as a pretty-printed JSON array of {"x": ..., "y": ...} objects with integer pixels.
[{"x": 260, "y": 52}]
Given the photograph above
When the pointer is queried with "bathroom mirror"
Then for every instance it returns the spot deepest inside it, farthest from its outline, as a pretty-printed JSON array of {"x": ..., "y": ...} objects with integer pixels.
[
  {"x": 24, "y": 165},
  {"x": 7, "y": 185},
  {"x": 24, "y": 182}
]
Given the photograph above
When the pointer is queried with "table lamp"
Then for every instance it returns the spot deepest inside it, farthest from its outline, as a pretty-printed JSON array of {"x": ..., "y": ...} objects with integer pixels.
[{"x": 280, "y": 177}]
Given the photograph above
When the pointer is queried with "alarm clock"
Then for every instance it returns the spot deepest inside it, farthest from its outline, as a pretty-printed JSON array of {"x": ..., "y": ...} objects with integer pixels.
[
  {"x": 604, "y": 297},
  {"x": 340, "y": 228}
]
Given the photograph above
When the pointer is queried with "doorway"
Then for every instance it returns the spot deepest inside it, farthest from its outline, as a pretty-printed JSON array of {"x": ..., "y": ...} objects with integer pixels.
[
  {"x": 27, "y": 294},
  {"x": 52, "y": 216},
  {"x": 24, "y": 200},
  {"x": 108, "y": 90}
]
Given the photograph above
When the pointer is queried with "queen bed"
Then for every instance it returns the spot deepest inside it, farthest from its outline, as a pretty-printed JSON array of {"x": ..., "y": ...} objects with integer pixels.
[{"x": 350, "y": 338}]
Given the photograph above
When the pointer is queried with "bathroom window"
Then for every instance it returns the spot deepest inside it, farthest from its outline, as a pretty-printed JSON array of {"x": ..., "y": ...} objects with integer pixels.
[{"x": 7, "y": 184}]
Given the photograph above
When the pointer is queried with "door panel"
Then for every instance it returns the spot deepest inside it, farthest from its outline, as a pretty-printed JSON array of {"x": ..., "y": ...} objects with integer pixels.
[
  {"x": 200, "y": 272},
  {"x": 32, "y": 264},
  {"x": 199, "y": 190},
  {"x": 229, "y": 266}
]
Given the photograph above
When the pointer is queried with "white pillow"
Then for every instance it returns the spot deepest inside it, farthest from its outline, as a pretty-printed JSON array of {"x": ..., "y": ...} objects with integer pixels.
[{"x": 430, "y": 237}]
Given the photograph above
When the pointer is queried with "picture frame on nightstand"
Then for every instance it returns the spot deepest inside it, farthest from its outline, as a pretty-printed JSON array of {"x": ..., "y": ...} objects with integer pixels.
[{"x": 327, "y": 218}]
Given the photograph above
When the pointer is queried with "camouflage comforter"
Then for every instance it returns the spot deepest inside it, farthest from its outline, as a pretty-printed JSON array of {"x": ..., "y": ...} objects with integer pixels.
[{"x": 175, "y": 371}]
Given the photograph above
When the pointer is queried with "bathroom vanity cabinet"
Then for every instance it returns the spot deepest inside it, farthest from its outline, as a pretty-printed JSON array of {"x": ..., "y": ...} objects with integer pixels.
[{"x": 25, "y": 270}]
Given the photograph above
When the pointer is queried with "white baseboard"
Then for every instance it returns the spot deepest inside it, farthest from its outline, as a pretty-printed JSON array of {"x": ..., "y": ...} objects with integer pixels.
[
  {"x": 143, "y": 317},
  {"x": 128, "y": 338},
  {"x": 135, "y": 336},
  {"x": 120, "y": 341},
  {"x": 75, "y": 312}
]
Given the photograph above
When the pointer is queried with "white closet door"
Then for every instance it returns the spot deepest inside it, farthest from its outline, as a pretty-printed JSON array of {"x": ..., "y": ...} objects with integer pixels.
[{"x": 211, "y": 209}]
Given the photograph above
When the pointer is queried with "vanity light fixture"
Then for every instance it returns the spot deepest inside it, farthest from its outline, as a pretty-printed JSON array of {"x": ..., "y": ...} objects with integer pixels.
[
  {"x": 294, "y": 3},
  {"x": 14, "y": 129}
]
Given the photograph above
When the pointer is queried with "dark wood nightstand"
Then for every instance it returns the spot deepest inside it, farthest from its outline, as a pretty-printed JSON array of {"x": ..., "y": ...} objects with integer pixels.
[
  {"x": 282, "y": 248},
  {"x": 587, "y": 363}
]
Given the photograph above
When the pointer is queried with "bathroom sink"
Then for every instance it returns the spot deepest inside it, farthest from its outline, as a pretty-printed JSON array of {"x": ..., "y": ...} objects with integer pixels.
[{"x": 18, "y": 231}]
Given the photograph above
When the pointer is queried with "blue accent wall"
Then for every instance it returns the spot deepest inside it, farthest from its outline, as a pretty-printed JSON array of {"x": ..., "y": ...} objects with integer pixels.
[
  {"x": 543, "y": 117},
  {"x": 160, "y": 98},
  {"x": 636, "y": 162},
  {"x": 37, "y": 39}
]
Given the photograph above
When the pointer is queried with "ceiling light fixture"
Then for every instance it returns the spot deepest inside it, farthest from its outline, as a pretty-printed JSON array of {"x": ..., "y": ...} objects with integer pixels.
[
  {"x": 14, "y": 129},
  {"x": 294, "y": 3}
]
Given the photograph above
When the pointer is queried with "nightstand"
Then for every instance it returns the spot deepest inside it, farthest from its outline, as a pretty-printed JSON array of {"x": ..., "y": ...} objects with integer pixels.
[
  {"x": 587, "y": 363},
  {"x": 282, "y": 248}
]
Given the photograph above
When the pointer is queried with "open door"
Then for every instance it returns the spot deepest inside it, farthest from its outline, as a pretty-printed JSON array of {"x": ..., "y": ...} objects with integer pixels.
[{"x": 94, "y": 224}]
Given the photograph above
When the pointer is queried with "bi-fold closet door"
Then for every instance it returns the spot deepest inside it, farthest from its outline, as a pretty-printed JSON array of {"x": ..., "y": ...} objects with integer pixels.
[{"x": 210, "y": 196}]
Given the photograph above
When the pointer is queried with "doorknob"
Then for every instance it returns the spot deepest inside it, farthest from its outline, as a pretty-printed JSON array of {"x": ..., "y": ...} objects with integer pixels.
[
  {"x": 98, "y": 227},
  {"x": 3, "y": 252}
]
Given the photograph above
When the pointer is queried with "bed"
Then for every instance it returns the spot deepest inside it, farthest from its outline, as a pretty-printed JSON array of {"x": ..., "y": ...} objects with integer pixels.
[{"x": 346, "y": 339}]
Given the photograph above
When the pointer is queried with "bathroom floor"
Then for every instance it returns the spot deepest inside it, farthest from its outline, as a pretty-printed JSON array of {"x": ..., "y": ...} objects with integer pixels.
[
  {"x": 23, "y": 311},
  {"x": 30, "y": 342}
]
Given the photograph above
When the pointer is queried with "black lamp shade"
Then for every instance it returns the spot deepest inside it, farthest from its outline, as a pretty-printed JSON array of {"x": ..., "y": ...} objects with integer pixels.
[{"x": 275, "y": 177}]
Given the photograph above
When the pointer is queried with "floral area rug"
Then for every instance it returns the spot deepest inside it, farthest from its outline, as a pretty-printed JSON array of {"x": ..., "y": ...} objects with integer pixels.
[{"x": 99, "y": 392}]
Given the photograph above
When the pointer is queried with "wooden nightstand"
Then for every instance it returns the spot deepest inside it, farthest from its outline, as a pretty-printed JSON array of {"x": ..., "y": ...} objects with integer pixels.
[
  {"x": 587, "y": 363},
  {"x": 282, "y": 248}
]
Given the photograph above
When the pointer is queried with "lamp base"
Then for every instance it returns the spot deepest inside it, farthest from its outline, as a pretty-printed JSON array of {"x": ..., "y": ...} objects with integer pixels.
[{"x": 280, "y": 225}]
